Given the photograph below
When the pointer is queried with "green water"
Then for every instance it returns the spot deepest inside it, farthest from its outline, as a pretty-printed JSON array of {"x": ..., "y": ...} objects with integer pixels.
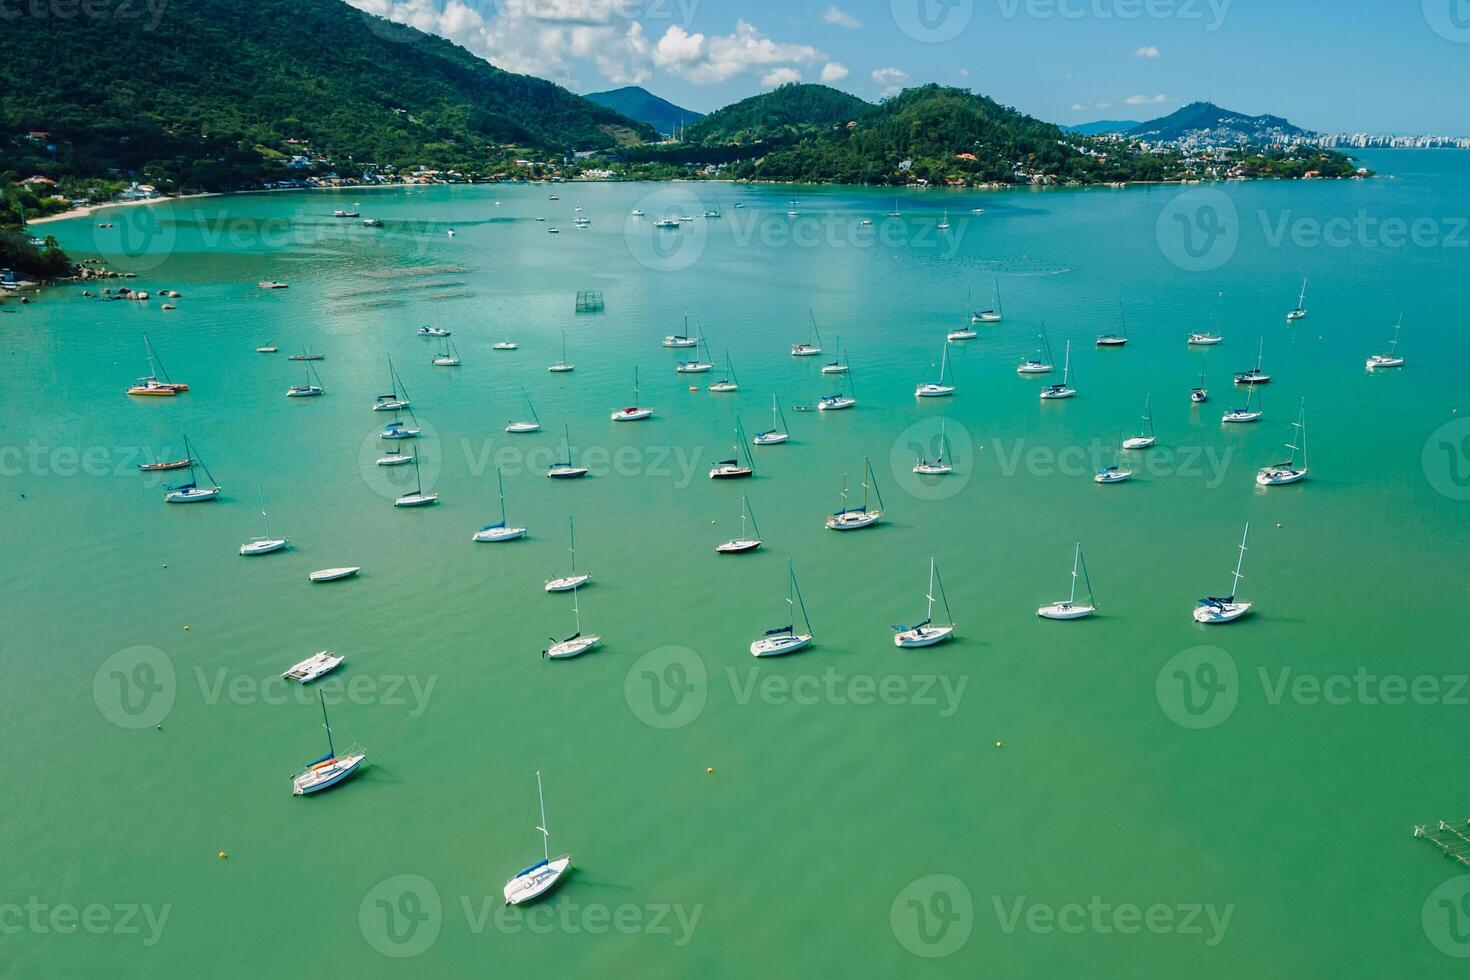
[{"x": 810, "y": 845}]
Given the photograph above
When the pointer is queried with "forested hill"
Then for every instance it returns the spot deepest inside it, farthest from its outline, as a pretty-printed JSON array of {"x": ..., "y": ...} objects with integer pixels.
[{"x": 783, "y": 114}]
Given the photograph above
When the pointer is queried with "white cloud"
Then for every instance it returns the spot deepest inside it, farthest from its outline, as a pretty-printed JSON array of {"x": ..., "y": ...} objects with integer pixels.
[
  {"x": 890, "y": 80},
  {"x": 1146, "y": 99},
  {"x": 709, "y": 60},
  {"x": 834, "y": 72},
  {"x": 964, "y": 73},
  {"x": 841, "y": 18},
  {"x": 1148, "y": 51},
  {"x": 780, "y": 76}
]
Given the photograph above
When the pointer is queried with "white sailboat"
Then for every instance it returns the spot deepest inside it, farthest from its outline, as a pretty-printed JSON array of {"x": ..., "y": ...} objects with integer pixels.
[
  {"x": 265, "y": 544},
  {"x": 678, "y": 340},
  {"x": 697, "y": 364},
  {"x": 1255, "y": 376},
  {"x": 418, "y": 498},
  {"x": 562, "y": 366},
  {"x": 396, "y": 398},
  {"x": 448, "y": 356},
  {"x": 1217, "y": 609},
  {"x": 1392, "y": 358},
  {"x": 782, "y": 640},
  {"x": 938, "y": 388},
  {"x": 1245, "y": 413},
  {"x": 938, "y": 466},
  {"x": 1146, "y": 438},
  {"x": 1065, "y": 389},
  {"x": 316, "y": 666},
  {"x": 500, "y": 530},
  {"x": 1204, "y": 339},
  {"x": 777, "y": 434},
  {"x": 992, "y": 315},
  {"x": 1199, "y": 394},
  {"x": 1041, "y": 363},
  {"x": 398, "y": 429},
  {"x": 541, "y": 877},
  {"x": 1070, "y": 608},
  {"x": 1278, "y": 474},
  {"x": 191, "y": 492},
  {"x": 633, "y": 413},
  {"x": 928, "y": 633},
  {"x": 329, "y": 770},
  {"x": 312, "y": 388},
  {"x": 523, "y": 427},
  {"x": 1301, "y": 306},
  {"x": 734, "y": 469},
  {"x": 576, "y": 644},
  {"x": 855, "y": 518},
  {"x": 566, "y": 583},
  {"x": 746, "y": 541},
  {"x": 1114, "y": 473},
  {"x": 431, "y": 331},
  {"x": 1119, "y": 339},
  {"x": 813, "y": 345},
  {"x": 395, "y": 457},
  {"x": 507, "y": 344},
  {"x": 944, "y": 223},
  {"x": 565, "y": 469},
  {"x": 842, "y": 399},
  {"x": 729, "y": 382},
  {"x": 837, "y": 365}
]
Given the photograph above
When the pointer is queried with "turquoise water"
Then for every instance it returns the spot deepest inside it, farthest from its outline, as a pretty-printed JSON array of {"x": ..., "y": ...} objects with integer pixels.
[{"x": 844, "y": 777}]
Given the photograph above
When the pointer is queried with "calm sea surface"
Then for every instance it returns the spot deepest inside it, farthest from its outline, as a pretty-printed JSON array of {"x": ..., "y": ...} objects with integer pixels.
[{"x": 1099, "y": 798}]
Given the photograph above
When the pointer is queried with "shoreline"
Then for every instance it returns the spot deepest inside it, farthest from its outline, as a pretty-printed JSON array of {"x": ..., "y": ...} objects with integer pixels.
[{"x": 90, "y": 209}]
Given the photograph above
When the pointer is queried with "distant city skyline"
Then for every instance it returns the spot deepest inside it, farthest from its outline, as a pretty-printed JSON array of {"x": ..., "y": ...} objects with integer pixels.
[{"x": 1066, "y": 61}]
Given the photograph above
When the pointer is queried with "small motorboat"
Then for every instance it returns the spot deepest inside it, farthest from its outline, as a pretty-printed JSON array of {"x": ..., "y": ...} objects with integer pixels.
[
  {"x": 333, "y": 574},
  {"x": 313, "y": 667},
  {"x": 272, "y": 284},
  {"x": 431, "y": 331},
  {"x": 1204, "y": 339},
  {"x": 268, "y": 349}
]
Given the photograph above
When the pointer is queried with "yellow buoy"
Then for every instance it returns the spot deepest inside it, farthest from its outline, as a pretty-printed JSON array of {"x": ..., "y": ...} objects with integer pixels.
[
  {"x": 997, "y": 743},
  {"x": 223, "y": 855},
  {"x": 186, "y": 629},
  {"x": 711, "y": 769}
]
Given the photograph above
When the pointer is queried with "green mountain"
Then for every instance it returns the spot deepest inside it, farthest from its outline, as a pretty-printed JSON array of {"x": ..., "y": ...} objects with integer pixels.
[
  {"x": 941, "y": 134},
  {"x": 209, "y": 95},
  {"x": 1207, "y": 122},
  {"x": 784, "y": 114},
  {"x": 640, "y": 104}
]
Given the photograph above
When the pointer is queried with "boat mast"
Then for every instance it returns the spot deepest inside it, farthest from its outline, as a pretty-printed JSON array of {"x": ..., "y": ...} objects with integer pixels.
[
  {"x": 1241, "y": 561},
  {"x": 1085, "y": 577},
  {"x": 572, "y": 534},
  {"x": 873, "y": 477},
  {"x": 795, "y": 589},
  {"x": 331, "y": 751},
  {"x": 1148, "y": 412},
  {"x": 545, "y": 834},
  {"x": 1076, "y": 560},
  {"x": 265, "y": 520},
  {"x": 934, "y": 571},
  {"x": 929, "y": 595}
]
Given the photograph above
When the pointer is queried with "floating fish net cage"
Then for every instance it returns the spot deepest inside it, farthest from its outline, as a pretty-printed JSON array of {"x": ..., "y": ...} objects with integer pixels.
[
  {"x": 589, "y": 301},
  {"x": 1451, "y": 841}
]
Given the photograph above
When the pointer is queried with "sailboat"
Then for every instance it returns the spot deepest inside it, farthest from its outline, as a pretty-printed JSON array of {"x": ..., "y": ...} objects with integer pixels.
[
  {"x": 500, "y": 530},
  {"x": 192, "y": 492},
  {"x": 448, "y": 355},
  {"x": 854, "y": 518},
  {"x": 396, "y": 398},
  {"x": 1200, "y": 394},
  {"x": 1114, "y": 473},
  {"x": 927, "y": 633},
  {"x": 314, "y": 667},
  {"x": 1255, "y": 376},
  {"x": 1301, "y": 306},
  {"x": 785, "y": 639},
  {"x": 1204, "y": 339},
  {"x": 506, "y": 344},
  {"x": 1392, "y": 358},
  {"x": 562, "y": 366},
  {"x": 744, "y": 543},
  {"x": 151, "y": 384},
  {"x": 544, "y": 875},
  {"x": 777, "y": 434},
  {"x": 329, "y": 770},
  {"x": 162, "y": 466},
  {"x": 837, "y": 365},
  {"x": 564, "y": 470},
  {"x": 1278, "y": 474},
  {"x": 398, "y": 429},
  {"x": 633, "y": 413},
  {"x": 944, "y": 224},
  {"x": 1041, "y": 363},
  {"x": 1245, "y": 413},
  {"x": 937, "y": 466},
  {"x": 432, "y": 331},
  {"x": 521, "y": 427},
  {"x": 729, "y": 382},
  {"x": 681, "y": 339},
  {"x": 1145, "y": 439},
  {"x": 312, "y": 387},
  {"x": 1070, "y": 608},
  {"x": 733, "y": 469},
  {"x": 1215, "y": 609},
  {"x": 1063, "y": 390},
  {"x": 265, "y": 544},
  {"x": 1111, "y": 339},
  {"x": 394, "y": 457},
  {"x": 813, "y": 345},
  {"x": 418, "y": 498},
  {"x": 576, "y": 579},
  {"x": 697, "y": 364},
  {"x": 307, "y": 355},
  {"x": 895, "y": 213},
  {"x": 576, "y": 644},
  {"x": 992, "y": 315},
  {"x": 840, "y": 400},
  {"x": 937, "y": 389}
]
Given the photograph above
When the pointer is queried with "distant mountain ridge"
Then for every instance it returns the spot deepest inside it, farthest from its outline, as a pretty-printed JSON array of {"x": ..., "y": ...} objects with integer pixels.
[
  {"x": 1205, "y": 122},
  {"x": 1103, "y": 126},
  {"x": 638, "y": 103}
]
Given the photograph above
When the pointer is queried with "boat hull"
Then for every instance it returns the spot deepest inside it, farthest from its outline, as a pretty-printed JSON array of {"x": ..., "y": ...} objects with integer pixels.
[
  {"x": 315, "y": 780},
  {"x": 771, "y": 438},
  {"x": 568, "y": 583},
  {"x": 962, "y": 335},
  {"x": 1115, "y": 476},
  {"x": 193, "y": 496},
  {"x": 1065, "y": 610},
  {"x": 566, "y": 472},
  {"x": 567, "y": 649},
  {"x": 1227, "y": 613},
  {"x": 264, "y": 547},
  {"x": 1272, "y": 477},
  {"x": 632, "y": 415},
  {"x": 333, "y": 574},
  {"x": 1139, "y": 442},
  {"x": 395, "y": 460},
  {"x": 780, "y": 646},
  {"x": 523, "y": 427},
  {"x": 933, "y": 391},
  {"x": 927, "y": 636},
  {"x": 1057, "y": 394},
  {"x": 535, "y": 882},
  {"x": 416, "y": 500},
  {"x": 853, "y": 521},
  {"x": 495, "y": 535},
  {"x": 1240, "y": 418},
  {"x": 737, "y": 547},
  {"x": 835, "y": 404}
]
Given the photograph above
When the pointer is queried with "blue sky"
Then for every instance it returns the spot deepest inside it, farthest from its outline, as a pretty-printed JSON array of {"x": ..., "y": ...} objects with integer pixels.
[{"x": 1333, "y": 65}]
